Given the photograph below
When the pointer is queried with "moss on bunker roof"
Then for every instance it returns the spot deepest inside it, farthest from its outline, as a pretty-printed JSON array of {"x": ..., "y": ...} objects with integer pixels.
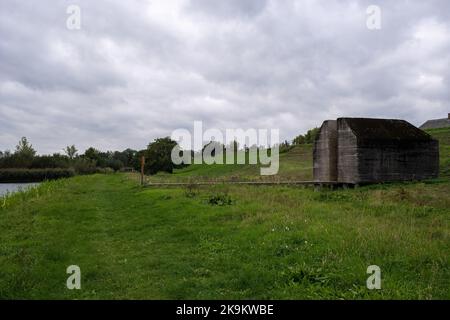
[{"x": 385, "y": 130}]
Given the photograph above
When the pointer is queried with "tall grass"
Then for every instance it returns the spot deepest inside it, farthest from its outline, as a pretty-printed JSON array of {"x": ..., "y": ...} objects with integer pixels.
[{"x": 24, "y": 195}]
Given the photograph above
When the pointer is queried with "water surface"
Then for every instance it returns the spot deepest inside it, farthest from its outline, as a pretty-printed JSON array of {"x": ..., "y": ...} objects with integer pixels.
[{"x": 13, "y": 187}]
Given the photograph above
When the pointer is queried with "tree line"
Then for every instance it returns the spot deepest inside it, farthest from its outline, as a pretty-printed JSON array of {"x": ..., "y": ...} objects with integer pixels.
[
  {"x": 25, "y": 157},
  {"x": 157, "y": 155}
]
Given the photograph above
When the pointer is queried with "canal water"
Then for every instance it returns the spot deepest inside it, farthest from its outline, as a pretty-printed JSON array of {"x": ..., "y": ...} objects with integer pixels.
[{"x": 13, "y": 187}]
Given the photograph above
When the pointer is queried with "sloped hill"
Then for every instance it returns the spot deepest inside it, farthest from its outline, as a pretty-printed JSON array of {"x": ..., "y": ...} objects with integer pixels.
[
  {"x": 443, "y": 135},
  {"x": 295, "y": 164}
]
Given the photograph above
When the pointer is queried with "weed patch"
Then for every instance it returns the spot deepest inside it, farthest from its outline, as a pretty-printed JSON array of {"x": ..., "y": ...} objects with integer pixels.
[{"x": 220, "y": 199}]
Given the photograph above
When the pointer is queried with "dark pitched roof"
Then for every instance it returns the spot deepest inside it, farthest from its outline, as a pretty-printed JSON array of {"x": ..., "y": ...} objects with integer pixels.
[
  {"x": 385, "y": 130},
  {"x": 437, "y": 123}
]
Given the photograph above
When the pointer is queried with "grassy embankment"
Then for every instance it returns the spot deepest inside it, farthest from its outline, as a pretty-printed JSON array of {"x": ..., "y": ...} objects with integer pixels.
[
  {"x": 295, "y": 165},
  {"x": 269, "y": 242}
]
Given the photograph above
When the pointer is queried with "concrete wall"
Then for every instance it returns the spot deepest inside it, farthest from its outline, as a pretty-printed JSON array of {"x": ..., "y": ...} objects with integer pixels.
[
  {"x": 347, "y": 167},
  {"x": 325, "y": 153},
  {"x": 397, "y": 161}
]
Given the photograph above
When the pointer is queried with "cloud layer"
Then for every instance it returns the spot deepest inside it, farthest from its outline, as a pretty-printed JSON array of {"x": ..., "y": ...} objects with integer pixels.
[{"x": 137, "y": 70}]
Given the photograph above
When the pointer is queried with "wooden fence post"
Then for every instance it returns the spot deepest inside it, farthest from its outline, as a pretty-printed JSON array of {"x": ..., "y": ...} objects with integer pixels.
[{"x": 142, "y": 170}]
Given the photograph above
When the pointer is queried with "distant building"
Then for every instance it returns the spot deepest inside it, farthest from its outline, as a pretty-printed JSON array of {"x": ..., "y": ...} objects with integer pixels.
[
  {"x": 362, "y": 150},
  {"x": 437, "y": 123}
]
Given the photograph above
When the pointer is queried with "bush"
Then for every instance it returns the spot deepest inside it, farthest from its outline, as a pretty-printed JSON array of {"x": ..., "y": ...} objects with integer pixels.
[
  {"x": 46, "y": 162},
  {"x": 221, "y": 199},
  {"x": 34, "y": 175},
  {"x": 105, "y": 170},
  {"x": 84, "y": 166},
  {"x": 115, "y": 165}
]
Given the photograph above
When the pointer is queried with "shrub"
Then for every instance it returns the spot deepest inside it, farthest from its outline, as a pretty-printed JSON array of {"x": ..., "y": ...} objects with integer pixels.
[
  {"x": 54, "y": 161},
  {"x": 105, "y": 170},
  {"x": 221, "y": 199},
  {"x": 34, "y": 175},
  {"x": 84, "y": 166}
]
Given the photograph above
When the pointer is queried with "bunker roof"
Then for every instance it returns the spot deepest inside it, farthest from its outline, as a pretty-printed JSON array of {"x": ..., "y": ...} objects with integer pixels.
[{"x": 385, "y": 130}]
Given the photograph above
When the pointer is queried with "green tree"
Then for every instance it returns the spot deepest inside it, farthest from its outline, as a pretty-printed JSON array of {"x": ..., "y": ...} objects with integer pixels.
[
  {"x": 311, "y": 135},
  {"x": 300, "y": 139},
  {"x": 158, "y": 156},
  {"x": 50, "y": 161},
  {"x": 71, "y": 151},
  {"x": 24, "y": 154},
  {"x": 125, "y": 157},
  {"x": 308, "y": 138},
  {"x": 136, "y": 162},
  {"x": 25, "y": 149},
  {"x": 92, "y": 154}
]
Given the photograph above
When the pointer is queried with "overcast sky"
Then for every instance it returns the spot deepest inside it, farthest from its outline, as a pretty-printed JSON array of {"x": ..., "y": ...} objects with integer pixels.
[{"x": 137, "y": 70}]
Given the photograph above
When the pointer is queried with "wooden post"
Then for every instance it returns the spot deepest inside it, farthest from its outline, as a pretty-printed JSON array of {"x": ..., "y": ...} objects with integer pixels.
[{"x": 142, "y": 170}]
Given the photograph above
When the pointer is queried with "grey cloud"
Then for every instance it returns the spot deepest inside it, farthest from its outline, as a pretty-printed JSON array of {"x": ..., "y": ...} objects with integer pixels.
[
  {"x": 231, "y": 9},
  {"x": 139, "y": 69}
]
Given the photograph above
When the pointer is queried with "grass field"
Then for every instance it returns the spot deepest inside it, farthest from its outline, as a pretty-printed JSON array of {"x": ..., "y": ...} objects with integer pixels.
[{"x": 227, "y": 242}]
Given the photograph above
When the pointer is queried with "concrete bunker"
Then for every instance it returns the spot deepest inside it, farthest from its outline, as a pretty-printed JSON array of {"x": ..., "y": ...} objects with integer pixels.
[{"x": 365, "y": 150}]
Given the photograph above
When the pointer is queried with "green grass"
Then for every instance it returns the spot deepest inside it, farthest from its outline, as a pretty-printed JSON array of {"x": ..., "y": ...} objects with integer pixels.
[
  {"x": 254, "y": 243},
  {"x": 269, "y": 243},
  {"x": 294, "y": 165},
  {"x": 443, "y": 135}
]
